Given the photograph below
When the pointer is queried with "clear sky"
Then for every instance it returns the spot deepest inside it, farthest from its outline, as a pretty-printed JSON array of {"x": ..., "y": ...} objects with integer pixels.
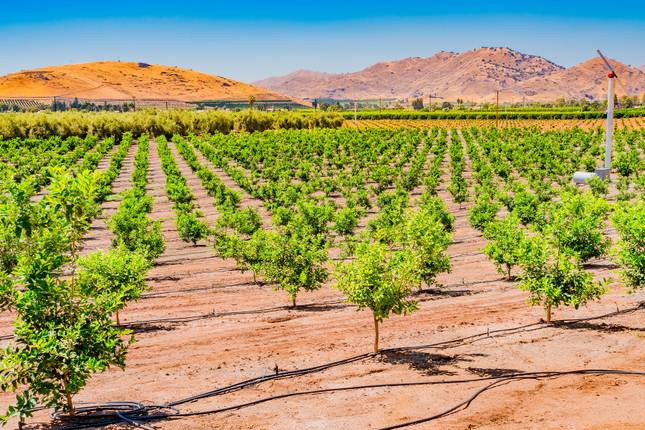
[{"x": 249, "y": 40}]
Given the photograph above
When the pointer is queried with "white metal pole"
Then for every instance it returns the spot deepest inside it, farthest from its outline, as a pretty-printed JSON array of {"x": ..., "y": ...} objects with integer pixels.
[{"x": 610, "y": 120}]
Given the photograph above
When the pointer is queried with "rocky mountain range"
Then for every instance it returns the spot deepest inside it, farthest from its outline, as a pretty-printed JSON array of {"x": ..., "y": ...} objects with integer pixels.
[{"x": 473, "y": 75}]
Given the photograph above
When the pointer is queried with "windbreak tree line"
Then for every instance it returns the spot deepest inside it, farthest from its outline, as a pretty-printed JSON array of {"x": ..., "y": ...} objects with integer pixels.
[{"x": 156, "y": 123}]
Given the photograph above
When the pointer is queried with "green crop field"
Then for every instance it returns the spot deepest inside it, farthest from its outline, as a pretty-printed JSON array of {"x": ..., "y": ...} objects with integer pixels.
[{"x": 303, "y": 205}]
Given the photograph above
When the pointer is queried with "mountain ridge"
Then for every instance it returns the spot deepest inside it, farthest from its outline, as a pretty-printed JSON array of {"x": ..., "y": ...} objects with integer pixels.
[{"x": 473, "y": 75}]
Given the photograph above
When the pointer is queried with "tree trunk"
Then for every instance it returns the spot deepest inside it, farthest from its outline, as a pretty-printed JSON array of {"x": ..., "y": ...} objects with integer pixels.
[
  {"x": 375, "y": 334},
  {"x": 255, "y": 281},
  {"x": 68, "y": 396},
  {"x": 508, "y": 271},
  {"x": 548, "y": 313},
  {"x": 118, "y": 322},
  {"x": 293, "y": 301}
]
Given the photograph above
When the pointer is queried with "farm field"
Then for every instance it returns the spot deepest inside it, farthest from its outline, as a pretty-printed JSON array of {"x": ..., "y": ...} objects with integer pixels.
[
  {"x": 286, "y": 213},
  {"x": 542, "y": 124}
]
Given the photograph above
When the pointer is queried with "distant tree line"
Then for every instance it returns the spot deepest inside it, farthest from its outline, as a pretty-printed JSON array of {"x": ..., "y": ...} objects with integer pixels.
[
  {"x": 157, "y": 122},
  {"x": 61, "y": 106}
]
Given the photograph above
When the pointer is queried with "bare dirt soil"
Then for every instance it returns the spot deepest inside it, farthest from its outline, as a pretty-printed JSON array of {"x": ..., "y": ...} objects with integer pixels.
[{"x": 205, "y": 325}]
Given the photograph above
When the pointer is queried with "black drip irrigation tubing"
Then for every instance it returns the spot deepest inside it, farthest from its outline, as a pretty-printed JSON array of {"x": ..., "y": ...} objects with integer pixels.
[
  {"x": 214, "y": 314},
  {"x": 132, "y": 412}
]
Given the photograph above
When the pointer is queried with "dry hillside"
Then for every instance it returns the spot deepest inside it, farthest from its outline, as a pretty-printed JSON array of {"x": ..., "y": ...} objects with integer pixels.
[{"x": 124, "y": 80}]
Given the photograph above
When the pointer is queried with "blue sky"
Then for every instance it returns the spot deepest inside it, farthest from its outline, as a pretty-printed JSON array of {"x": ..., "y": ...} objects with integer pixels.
[{"x": 250, "y": 40}]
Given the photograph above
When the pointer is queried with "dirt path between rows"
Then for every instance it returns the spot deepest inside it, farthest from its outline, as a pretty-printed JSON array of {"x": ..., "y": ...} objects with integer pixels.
[{"x": 99, "y": 236}]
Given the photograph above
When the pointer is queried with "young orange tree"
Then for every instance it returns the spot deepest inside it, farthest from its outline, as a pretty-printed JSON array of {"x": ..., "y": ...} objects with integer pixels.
[{"x": 380, "y": 280}]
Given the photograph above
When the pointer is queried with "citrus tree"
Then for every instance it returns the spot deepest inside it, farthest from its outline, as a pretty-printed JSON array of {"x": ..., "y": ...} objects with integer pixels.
[
  {"x": 191, "y": 226},
  {"x": 576, "y": 224},
  {"x": 629, "y": 220},
  {"x": 62, "y": 334},
  {"x": 555, "y": 278},
  {"x": 132, "y": 227},
  {"x": 425, "y": 238},
  {"x": 505, "y": 243},
  {"x": 294, "y": 262},
  {"x": 117, "y": 275},
  {"x": 380, "y": 280},
  {"x": 62, "y": 337},
  {"x": 483, "y": 212}
]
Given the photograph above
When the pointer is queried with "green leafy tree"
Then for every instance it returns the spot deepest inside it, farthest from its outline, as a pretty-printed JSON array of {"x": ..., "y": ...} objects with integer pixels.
[
  {"x": 426, "y": 239},
  {"x": 458, "y": 188},
  {"x": 118, "y": 275},
  {"x": 312, "y": 216},
  {"x": 76, "y": 198},
  {"x": 526, "y": 206},
  {"x": 437, "y": 206},
  {"x": 505, "y": 243},
  {"x": 483, "y": 212},
  {"x": 346, "y": 220},
  {"x": 248, "y": 254},
  {"x": 555, "y": 278},
  {"x": 191, "y": 227},
  {"x": 62, "y": 336},
  {"x": 599, "y": 187},
  {"x": 295, "y": 262},
  {"x": 380, "y": 280},
  {"x": 629, "y": 220},
  {"x": 576, "y": 224},
  {"x": 384, "y": 226},
  {"x": 245, "y": 221},
  {"x": 133, "y": 229}
]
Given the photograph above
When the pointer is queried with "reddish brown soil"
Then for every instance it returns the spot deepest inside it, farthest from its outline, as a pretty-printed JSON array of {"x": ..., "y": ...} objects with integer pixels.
[{"x": 241, "y": 330}]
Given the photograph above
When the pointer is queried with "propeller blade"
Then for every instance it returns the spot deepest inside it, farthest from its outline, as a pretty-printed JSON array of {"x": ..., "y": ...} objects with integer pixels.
[{"x": 611, "y": 69}]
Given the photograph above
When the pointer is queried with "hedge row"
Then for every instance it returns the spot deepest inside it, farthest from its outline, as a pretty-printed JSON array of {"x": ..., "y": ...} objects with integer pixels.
[
  {"x": 619, "y": 113},
  {"x": 156, "y": 123}
]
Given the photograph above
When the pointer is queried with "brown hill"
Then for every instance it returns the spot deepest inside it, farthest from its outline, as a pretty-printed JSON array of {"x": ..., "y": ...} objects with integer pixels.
[
  {"x": 473, "y": 75},
  {"x": 584, "y": 80},
  {"x": 125, "y": 80}
]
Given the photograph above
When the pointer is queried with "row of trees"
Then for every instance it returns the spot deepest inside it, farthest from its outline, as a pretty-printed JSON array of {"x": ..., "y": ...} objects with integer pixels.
[
  {"x": 63, "y": 304},
  {"x": 157, "y": 123},
  {"x": 550, "y": 239}
]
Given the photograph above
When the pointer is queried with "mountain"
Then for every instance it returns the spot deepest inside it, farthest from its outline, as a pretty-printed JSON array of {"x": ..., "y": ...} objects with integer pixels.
[
  {"x": 584, "y": 80},
  {"x": 125, "y": 80},
  {"x": 472, "y": 75}
]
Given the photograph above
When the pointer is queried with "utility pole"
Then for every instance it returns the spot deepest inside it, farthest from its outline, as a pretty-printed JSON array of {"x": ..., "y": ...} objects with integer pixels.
[
  {"x": 433, "y": 96},
  {"x": 497, "y": 111},
  {"x": 354, "y": 112},
  {"x": 134, "y": 104}
]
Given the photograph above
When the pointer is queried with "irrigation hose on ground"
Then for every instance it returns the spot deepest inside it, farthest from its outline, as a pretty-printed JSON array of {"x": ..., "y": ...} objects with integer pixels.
[{"x": 134, "y": 413}]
